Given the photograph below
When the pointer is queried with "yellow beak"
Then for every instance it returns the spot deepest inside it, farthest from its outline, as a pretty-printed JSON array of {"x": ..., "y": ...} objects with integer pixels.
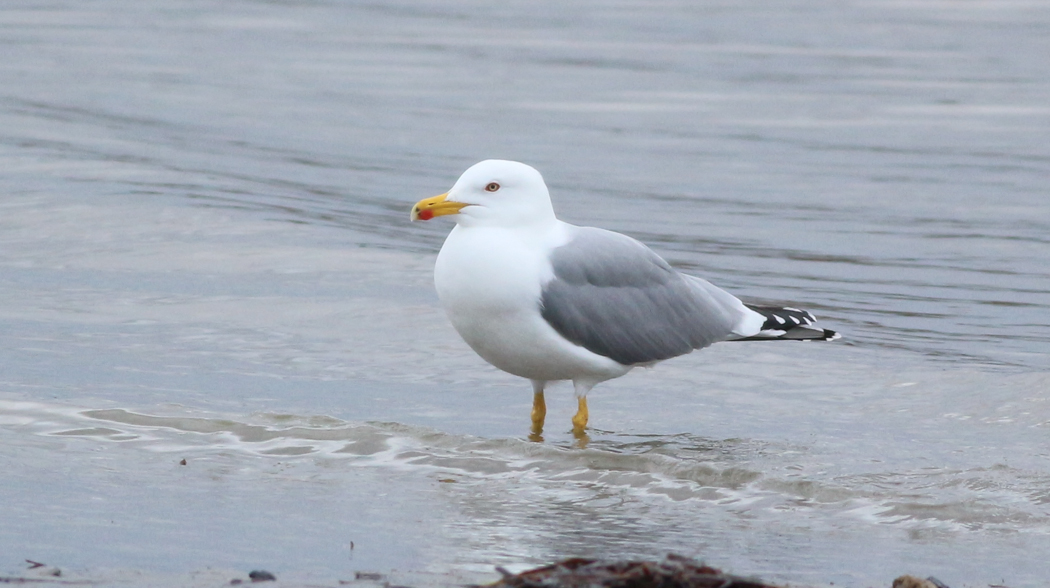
[{"x": 439, "y": 205}]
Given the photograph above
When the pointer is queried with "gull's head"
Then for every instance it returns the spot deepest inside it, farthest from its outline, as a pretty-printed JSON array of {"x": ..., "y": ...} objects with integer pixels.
[{"x": 493, "y": 192}]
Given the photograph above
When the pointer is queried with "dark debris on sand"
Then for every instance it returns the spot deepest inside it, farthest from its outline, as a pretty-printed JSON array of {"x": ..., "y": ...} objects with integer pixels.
[{"x": 674, "y": 571}]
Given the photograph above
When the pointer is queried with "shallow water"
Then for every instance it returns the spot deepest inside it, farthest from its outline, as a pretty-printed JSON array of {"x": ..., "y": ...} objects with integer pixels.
[{"x": 205, "y": 255}]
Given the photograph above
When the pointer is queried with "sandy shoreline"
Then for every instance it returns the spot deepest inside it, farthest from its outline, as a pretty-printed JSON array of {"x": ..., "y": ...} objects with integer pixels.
[{"x": 672, "y": 572}]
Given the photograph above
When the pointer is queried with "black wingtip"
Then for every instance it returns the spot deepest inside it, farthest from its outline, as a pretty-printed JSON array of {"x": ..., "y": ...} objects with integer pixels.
[{"x": 789, "y": 324}]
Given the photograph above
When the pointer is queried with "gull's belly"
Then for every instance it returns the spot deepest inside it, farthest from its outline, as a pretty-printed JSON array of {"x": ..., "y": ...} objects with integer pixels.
[
  {"x": 490, "y": 289},
  {"x": 525, "y": 346}
]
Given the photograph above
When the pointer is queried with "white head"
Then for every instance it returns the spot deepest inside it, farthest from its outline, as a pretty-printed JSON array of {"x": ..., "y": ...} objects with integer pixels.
[{"x": 493, "y": 192}]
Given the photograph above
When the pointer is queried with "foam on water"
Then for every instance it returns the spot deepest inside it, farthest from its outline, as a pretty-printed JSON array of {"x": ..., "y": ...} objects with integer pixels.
[{"x": 732, "y": 474}]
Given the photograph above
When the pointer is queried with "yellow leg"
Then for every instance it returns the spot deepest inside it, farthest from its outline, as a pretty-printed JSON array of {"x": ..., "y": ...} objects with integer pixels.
[
  {"x": 539, "y": 412},
  {"x": 579, "y": 422}
]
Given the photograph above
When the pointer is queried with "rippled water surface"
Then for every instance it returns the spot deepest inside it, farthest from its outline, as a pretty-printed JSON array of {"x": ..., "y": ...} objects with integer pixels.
[{"x": 205, "y": 256}]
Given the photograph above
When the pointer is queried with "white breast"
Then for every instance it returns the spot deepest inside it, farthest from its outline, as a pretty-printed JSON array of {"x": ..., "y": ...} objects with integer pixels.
[{"x": 489, "y": 280}]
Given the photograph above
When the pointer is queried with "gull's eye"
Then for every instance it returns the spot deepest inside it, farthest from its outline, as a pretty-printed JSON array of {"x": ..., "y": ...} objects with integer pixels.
[{"x": 492, "y": 187}]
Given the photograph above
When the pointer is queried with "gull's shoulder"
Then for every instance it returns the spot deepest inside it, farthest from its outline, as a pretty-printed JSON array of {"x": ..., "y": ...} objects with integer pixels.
[{"x": 600, "y": 256}]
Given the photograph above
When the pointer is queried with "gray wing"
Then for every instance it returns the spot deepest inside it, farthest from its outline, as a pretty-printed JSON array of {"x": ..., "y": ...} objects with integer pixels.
[{"x": 614, "y": 297}]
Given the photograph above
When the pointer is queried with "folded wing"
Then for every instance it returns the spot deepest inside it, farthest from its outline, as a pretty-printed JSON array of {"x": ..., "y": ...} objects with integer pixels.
[{"x": 613, "y": 296}]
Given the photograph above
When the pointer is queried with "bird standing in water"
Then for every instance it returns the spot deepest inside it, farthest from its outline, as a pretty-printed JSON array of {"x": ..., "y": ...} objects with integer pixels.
[{"x": 546, "y": 300}]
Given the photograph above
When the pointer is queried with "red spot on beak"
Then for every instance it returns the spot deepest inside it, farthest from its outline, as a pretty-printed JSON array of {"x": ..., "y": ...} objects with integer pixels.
[{"x": 426, "y": 215}]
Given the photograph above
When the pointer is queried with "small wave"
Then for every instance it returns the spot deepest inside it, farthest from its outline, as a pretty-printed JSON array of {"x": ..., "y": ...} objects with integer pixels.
[{"x": 746, "y": 476}]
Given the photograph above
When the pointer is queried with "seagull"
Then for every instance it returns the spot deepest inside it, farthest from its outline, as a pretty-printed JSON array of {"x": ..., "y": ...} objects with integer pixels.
[{"x": 545, "y": 300}]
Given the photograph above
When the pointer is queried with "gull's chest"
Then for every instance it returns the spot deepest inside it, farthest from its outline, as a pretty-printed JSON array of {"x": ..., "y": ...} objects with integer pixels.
[
  {"x": 487, "y": 272},
  {"x": 490, "y": 283}
]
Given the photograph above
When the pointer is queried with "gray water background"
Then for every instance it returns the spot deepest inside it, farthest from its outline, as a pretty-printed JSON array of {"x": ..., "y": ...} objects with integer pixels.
[{"x": 205, "y": 255}]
